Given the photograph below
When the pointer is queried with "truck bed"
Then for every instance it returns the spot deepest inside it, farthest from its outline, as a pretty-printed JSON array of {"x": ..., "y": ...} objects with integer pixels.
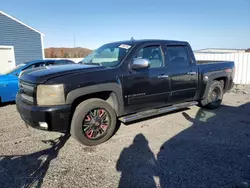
[
  {"x": 210, "y": 66},
  {"x": 209, "y": 61}
]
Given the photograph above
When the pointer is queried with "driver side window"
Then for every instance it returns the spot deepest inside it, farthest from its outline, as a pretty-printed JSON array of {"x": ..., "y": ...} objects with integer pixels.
[{"x": 153, "y": 54}]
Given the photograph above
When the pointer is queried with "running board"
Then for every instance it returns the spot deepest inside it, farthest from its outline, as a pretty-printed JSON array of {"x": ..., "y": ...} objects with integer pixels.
[{"x": 153, "y": 112}]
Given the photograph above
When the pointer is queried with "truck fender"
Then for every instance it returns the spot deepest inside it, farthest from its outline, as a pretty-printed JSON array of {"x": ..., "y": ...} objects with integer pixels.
[
  {"x": 212, "y": 77},
  {"x": 113, "y": 87}
]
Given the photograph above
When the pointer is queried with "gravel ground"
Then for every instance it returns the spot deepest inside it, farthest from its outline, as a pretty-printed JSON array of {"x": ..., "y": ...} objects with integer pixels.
[{"x": 191, "y": 148}]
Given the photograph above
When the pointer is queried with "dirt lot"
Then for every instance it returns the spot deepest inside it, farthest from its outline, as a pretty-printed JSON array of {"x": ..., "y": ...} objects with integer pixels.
[{"x": 191, "y": 148}]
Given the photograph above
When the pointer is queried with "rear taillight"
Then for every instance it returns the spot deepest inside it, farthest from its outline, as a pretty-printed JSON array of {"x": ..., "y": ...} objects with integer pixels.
[
  {"x": 231, "y": 71},
  {"x": 228, "y": 70}
]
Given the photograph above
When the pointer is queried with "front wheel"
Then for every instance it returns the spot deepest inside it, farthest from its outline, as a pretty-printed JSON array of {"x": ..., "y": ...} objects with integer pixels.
[
  {"x": 214, "y": 96},
  {"x": 93, "y": 122}
]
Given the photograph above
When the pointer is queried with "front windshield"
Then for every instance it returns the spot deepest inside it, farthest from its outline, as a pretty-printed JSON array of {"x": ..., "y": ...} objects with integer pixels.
[
  {"x": 11, "y": 71},
  {"x": 108, "y": 55}
]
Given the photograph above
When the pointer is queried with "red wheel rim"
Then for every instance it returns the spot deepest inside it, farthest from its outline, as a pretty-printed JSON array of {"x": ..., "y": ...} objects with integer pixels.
[{"x": 96, "y": 123}]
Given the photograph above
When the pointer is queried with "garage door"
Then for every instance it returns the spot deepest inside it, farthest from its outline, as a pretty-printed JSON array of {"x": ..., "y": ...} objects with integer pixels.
[{"x": 7, "y": 58}]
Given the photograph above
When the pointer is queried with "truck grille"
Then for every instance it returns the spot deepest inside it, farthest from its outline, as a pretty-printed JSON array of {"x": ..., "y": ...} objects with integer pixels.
[{"x": 27, "y": 92}]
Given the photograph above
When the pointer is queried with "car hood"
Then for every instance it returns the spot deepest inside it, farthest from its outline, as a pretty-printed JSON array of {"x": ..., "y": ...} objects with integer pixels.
[
  {"x": 41, "y": 75},
  {"x": 7, "y": 77}
]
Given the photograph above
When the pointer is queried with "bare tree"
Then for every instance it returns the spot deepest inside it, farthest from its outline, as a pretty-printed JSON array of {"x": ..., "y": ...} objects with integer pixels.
[{"x": 62, "y": 53}]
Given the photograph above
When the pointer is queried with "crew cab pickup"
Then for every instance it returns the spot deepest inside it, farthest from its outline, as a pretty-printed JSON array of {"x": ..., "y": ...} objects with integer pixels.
[{"x": 120, "y": 81}]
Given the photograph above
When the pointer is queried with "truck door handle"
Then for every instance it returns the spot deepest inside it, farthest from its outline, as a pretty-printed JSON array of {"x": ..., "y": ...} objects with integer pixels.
[
  {"x": 192, "y": 73},
  {"x": 163, "y": 76}
]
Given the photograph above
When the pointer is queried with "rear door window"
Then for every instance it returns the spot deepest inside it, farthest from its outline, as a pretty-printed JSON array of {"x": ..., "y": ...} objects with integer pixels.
[
  {"x": 49, "y": 63},
  {"x": 39, "y": 65},
  {"x": 178, "y": 56},
  {"x": 63, "y": 62}
]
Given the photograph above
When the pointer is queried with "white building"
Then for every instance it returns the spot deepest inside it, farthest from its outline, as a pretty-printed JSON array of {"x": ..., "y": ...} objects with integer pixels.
[
  {"x": 19, "y": 42},
  {"x": 219, "y": 50}
]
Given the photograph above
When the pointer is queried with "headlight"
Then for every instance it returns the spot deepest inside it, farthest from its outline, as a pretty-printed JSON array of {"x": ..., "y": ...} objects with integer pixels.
[{"x": 50, "y": 95}]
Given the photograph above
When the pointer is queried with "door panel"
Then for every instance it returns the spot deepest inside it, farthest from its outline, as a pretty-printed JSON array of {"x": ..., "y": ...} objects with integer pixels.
[
  {"x": 9, "y": 90},
  {"x": 5, "y": 97},
  {"x": 183, "y": 74},
  {"x": 13, "y": 88},
  {"x": 147, "y": 88},
  {"x": 183, "y": 86}
]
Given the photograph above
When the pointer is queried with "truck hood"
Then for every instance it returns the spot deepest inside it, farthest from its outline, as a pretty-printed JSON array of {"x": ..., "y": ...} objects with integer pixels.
[
  {"x": 7, "y": 78},
  {"x": 41, "y": 75}
]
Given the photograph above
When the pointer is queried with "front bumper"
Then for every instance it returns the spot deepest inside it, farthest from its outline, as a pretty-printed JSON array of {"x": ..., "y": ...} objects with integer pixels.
[{"x": 56, "y": 117}]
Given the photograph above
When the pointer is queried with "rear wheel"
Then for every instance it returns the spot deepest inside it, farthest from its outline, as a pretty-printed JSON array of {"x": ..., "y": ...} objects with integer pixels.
[
  {"x": 214, "y": 96},
  {"x": 93, "y": 122}
]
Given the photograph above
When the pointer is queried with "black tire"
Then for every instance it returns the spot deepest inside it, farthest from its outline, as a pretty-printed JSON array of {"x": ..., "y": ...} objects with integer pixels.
[
  {"x": 215, "y": 88},
  {"x": 81, "y": 112}
]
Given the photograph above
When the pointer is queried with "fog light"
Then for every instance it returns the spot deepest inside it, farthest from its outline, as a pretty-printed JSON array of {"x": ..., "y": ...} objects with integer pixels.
[{"x": 43, "y": 125}]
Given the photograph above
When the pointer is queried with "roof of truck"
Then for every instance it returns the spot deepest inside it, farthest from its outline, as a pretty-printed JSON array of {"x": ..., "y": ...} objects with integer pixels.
[{"x": 150, "y": 41}]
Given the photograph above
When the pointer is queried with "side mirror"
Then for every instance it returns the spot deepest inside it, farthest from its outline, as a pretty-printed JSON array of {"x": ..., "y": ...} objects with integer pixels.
[{"x": 139, "y": 63}]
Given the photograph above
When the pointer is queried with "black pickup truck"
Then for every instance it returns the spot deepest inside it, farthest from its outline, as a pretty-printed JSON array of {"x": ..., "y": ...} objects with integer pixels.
[{"x": 121, "y": 81}]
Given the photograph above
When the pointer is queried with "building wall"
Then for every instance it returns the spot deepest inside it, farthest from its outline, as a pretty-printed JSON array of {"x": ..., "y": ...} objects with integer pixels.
[
  {"x": 26, "y": 42},
  {"x": 214, "y": 50},
  {"x": 241, "y": 60}
]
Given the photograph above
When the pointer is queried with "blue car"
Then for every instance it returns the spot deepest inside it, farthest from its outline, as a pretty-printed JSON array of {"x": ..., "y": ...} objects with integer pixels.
[{"x": 9, "y": 80}]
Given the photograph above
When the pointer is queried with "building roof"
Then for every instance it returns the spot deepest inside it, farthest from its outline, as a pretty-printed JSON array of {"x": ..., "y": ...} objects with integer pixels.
[
  {"x": 1, "y": 12},
  {"x": 219, "y": 50}
]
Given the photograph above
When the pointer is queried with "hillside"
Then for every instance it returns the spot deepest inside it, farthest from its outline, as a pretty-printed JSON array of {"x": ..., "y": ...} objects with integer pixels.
[{"x": 66, "y": 52}]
